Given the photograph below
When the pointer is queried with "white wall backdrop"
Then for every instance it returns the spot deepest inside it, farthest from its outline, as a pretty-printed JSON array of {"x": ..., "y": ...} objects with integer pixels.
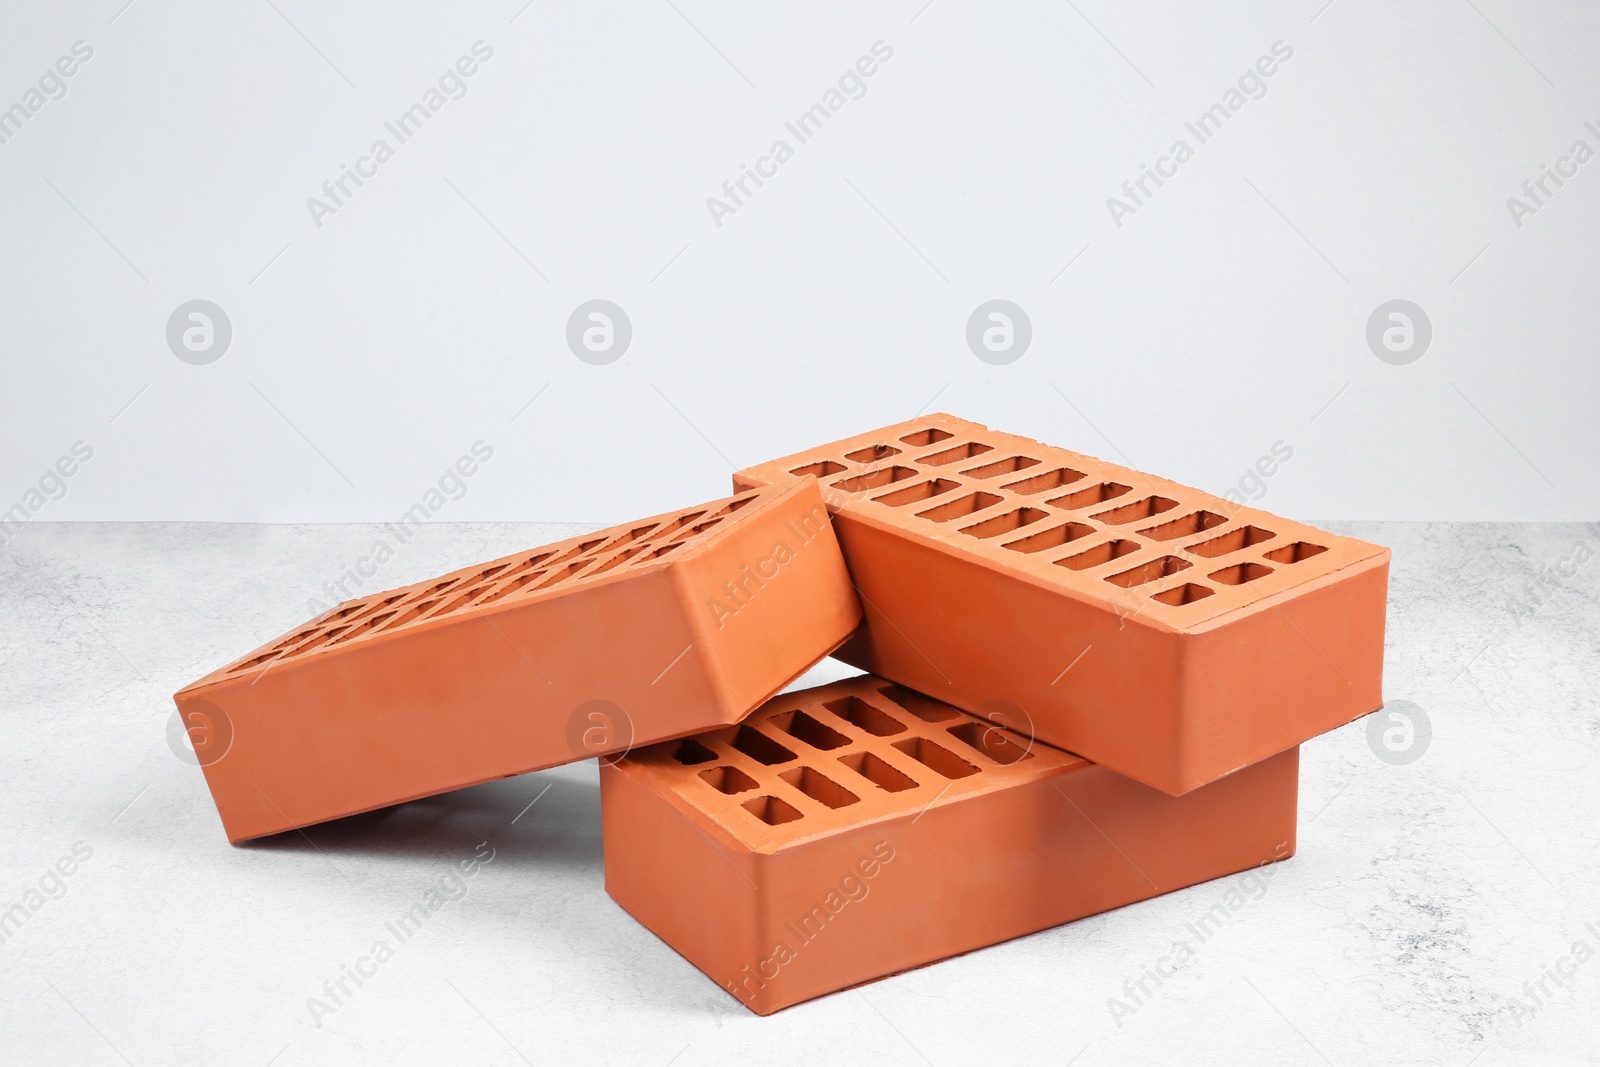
[{"x": 377, "y": 338}]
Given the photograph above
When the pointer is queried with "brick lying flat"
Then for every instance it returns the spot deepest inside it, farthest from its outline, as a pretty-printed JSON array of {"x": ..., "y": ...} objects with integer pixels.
[
  {"x": 855, "y": 830},
  {"x": 1160, "y": 630},
  {"x": 656, "y": 629}
]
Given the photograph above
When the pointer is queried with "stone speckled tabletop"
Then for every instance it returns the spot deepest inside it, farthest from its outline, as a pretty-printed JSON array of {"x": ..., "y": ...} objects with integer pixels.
[{"x": 1444, "y": 907}]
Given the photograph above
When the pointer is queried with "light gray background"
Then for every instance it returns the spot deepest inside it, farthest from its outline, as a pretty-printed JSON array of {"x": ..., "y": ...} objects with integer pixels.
[{"x": 1228, "y": 314}]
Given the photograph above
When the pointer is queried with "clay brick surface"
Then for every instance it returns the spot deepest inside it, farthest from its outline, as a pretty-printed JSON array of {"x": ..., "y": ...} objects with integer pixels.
[
  {"x": 656, "y": 629},
  {"x": 855, "y": 830},
  {"x": 1160, "y": 630}
]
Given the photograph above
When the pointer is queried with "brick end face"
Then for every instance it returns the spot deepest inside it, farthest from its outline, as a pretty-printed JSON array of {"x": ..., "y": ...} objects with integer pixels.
[{"x": 772, "y": 598}]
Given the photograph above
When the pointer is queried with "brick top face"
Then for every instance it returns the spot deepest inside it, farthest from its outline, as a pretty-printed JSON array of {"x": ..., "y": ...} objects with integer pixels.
[
  {"x": 1176, "y": 556},
  {"x": 486, "y": 588},
  {"x": 811, "y": 763}
]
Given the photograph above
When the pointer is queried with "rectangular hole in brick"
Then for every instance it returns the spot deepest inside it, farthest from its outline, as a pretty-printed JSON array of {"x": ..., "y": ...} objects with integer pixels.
[
  {"x": 957, "y": 454},
  {"x": 483, "y": 577},
  {"x": 990, "y": 741},
  {"x": 575, "y": 552},
  {"x": 1296, "y": 552},
  {"x": 421, "y": 593},
  {"x": 619, "y": 541},
  {"x": 1179, "y": 595},
  {"x": 696, "y": 530},
  {"x": 312, "y": 636},
  {"x": 816, "y": 734},
  {"x": 728, "y": 780},
  {"x": 879, "y": 773},
  {"x": 523, "y": 566},
  {"x": 1139, "y": 509},
  {"x": 636, "y": 533},
  {"x": 379, "y": 619},
  {"x": 819, "y": 787},
  {"x": 936, "y": 757},
  {"x": 620, "y": 558},
  {"x": 1232, "y": 541},
  {"x": 1094, "y": 494},
  {"x": 1010, "y": 522},
  {"x": 874, "y": 479},
  {"x": 608, "y": 546},
  {"x": 921, "y": 491},
  {"x": 1010, "y": 465},
  {"x": 733, "y": 506},
  {"x": 589, "y": 549},
  {"x": 455, "y": 603},
  {"x": 872, "y": 453},
  {"x": 439, "y": 587},
  {"x": 1240, "y": 573},
  {"x": 965, "y": 505},
  {"x": 300, "y": 641},
  {"x": 931, "y": 436},
  {"x": 389, "y": 600},
  {"x": 335, "y": 636},
  {"x": 1192, "y": 523},
  {"x": 1104, "y": 552},
  {"x": 319, "y": 641},
  {"x": 689, "y": 752},
  {"x": 925, "y": 708},
  {"x": 1042, "y": 483},
  {"x": 345, "y": 613},
  {"x": 291, "y": 644},
  {"x": 759, "y": 747},
  {"x": 820, "y": 469},
  {"x": 1149, "y": 572},
  {"x": 864, "y": 716},
  {"x": 1051, "y": 538},
  {"x": 374, "y": 618},
  {"x": 771, "y": 810},
  {"x": 678, "y": 523},
  {"x": 511, "y": 585},
  {"x": 409, "y": 612},
  {"x": 561, "y": 574}
]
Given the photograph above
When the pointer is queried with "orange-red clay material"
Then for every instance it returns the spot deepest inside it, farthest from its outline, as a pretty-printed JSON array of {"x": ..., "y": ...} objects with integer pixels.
[
  {"x": 856, "y": 830},
  {"x": 660, "y": 628},
  {"x": 1164, "y": 632}
]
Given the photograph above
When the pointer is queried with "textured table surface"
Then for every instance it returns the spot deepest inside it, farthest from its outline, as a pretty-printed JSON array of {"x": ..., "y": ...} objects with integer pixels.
[{"x": 1440, "y": 911}]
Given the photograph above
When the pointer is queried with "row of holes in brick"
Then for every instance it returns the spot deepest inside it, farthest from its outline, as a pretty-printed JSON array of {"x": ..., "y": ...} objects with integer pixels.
[
  {"x": 814, "y": 734},
  {"x": 540, "y": 570},
  {"x": 1082, "y": 558}
]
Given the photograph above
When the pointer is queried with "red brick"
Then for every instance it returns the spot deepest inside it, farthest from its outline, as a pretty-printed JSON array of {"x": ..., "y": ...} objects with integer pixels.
[
  {"x": 675, "y": 624},
  {"x": 1159, "y": 630},
  {"x": 856, "y": 830}
]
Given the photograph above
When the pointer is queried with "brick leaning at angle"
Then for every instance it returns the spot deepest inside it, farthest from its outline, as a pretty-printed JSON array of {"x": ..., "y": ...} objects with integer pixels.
[
  {"x": 852, "y": 831},
  {"x": 673, "y": 625},
  {"x": 1156, "y": 629}
]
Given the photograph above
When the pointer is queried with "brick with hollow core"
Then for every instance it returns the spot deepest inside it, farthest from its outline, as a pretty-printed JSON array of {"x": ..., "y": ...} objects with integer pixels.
[
  {"x": 1164, "y": 632},
  {"x": 853, "y": 831},
  {"x": 656, "y": 629}
]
